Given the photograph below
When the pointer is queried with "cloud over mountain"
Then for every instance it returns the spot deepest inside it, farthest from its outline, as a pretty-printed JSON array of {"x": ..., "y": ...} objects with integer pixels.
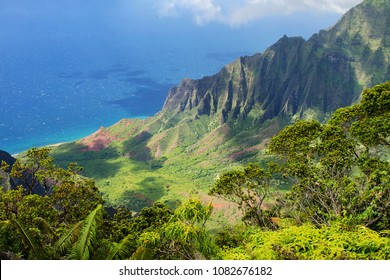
[{"x": 238, "y": 12}]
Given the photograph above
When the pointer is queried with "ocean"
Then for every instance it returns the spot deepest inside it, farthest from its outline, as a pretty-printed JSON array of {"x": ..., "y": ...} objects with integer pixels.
[{"x": 62, "y": 76}]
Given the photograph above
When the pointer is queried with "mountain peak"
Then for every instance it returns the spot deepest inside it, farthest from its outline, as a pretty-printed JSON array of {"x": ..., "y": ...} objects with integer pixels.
[
  {"x": 322, "y": 74},
  {"x": 232, "y": 112}
]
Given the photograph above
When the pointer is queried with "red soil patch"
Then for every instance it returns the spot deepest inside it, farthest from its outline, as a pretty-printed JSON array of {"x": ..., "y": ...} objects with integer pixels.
[
  {"x": 217, "y": 206},
  {"x": 98, "y": 140},
  {"x": 217, "y": 203}
]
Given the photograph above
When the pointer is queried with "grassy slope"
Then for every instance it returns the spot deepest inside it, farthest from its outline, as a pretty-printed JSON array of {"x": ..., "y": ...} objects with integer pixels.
[{"x": 167, "y": 164}]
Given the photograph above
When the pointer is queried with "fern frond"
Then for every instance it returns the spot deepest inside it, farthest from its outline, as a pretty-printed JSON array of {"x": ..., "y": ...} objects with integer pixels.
[
  {"x": 83, "y": 247},
  {"x": 65, "y": 242},
  {"x": 27, "y": 238},
  {"x": 142, "y": 253},
  {"x": 122, "y": 250}
]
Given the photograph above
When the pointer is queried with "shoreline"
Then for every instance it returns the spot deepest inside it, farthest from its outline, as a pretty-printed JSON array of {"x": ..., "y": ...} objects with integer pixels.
[
  {"x": 49, "y": 145},
  {"x": 56, "y": 144},
  {"x": 77, "y": 136}
]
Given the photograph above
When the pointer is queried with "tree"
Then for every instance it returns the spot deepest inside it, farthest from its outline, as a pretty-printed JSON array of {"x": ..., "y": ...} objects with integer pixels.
[
  {"x": 340, "y": 170},
  {"x": 74, "y": 198},
  {"x": 9, "y": 203},
  {"x": 67, "y": 199},
  {"x": 31, "y": 170},
  {"x": 249, "y": 189},
  {"x": 184, "y": 236}
]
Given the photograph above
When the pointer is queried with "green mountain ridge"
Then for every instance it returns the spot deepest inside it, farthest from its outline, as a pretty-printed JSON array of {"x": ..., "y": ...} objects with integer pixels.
[
  {"x": 211, "y": 124},
  {"x": 326, "y": 72}
]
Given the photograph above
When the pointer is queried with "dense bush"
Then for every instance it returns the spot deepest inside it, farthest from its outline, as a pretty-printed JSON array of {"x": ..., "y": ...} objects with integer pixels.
[{"x": 308, "y": 242}]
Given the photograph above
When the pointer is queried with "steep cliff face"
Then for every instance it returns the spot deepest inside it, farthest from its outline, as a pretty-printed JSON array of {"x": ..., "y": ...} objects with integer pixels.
[
  {"x": 233, "y": 112},
  {"x": 6, "y": 181},
  {"x": 324, "y": 73},
  {"x": 7, "y": 158}
]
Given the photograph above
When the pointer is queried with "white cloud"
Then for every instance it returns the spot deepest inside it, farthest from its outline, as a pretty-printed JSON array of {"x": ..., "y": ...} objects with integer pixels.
[
  {"x": 238, "y": 12},
  {"x": 203, "y": 11}
]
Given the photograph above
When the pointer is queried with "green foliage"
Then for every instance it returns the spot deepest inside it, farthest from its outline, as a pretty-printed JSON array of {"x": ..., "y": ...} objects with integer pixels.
[
  {"x": 146, "y": 247},
  {"x": 307, "y": 242},
  {"x": 295, "y": 143},
  {"x": 121, "y": 224},
  {"x": 337, "y": 169},
  {"x": 31, "y": 247},
  {"x": 64, "y": 244},
  {"x": 154, "y": 217},
  {"x": 186, "y": 232},
  {"x": 248, "y": 188},
  {"x": 122, "y": 250},
  {"x": 194, "y": 212},
  {"x": 35, "y": 206},
  {"x": 32, "y": 170},
  {"x": 231, "y": 237},
  {"x": 9, "y": 203},
  {"x": 74, "y": 199},
  {"x": 67, "y": 199},
  {"x": 184, "y": 236},
  {"x": 83, "y": 248},
  {"x": 373, "y": 126}
]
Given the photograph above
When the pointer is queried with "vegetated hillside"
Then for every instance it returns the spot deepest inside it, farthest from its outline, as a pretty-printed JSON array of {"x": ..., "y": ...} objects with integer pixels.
[
  {"x": 20, "y": 177},
  {"x": 338, "y": 207},
  {"x": 5, "y": 180},
  {"x": 210, "y": 124}
]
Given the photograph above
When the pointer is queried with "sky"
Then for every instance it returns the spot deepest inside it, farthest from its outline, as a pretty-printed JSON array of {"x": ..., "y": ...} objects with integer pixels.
[
  {"x": 239, "y": 12},
  {"x": 66, "y": 21},
  {"x": 233, "y": 13}
]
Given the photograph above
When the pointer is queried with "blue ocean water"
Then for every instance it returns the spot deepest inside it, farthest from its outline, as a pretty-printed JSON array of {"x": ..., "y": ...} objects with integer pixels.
[{"x": 64, "y": 72}]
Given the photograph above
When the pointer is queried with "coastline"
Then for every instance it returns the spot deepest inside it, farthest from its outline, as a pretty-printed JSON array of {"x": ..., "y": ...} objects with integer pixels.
[
  {"x": 49, "y": 145},
  {"x": 56, "y": 144},
  {"x": 72, "y": 136}
]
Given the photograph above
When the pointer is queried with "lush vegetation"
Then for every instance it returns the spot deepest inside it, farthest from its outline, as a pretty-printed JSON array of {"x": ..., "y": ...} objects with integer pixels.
[{"x": 337, "y": 206}]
